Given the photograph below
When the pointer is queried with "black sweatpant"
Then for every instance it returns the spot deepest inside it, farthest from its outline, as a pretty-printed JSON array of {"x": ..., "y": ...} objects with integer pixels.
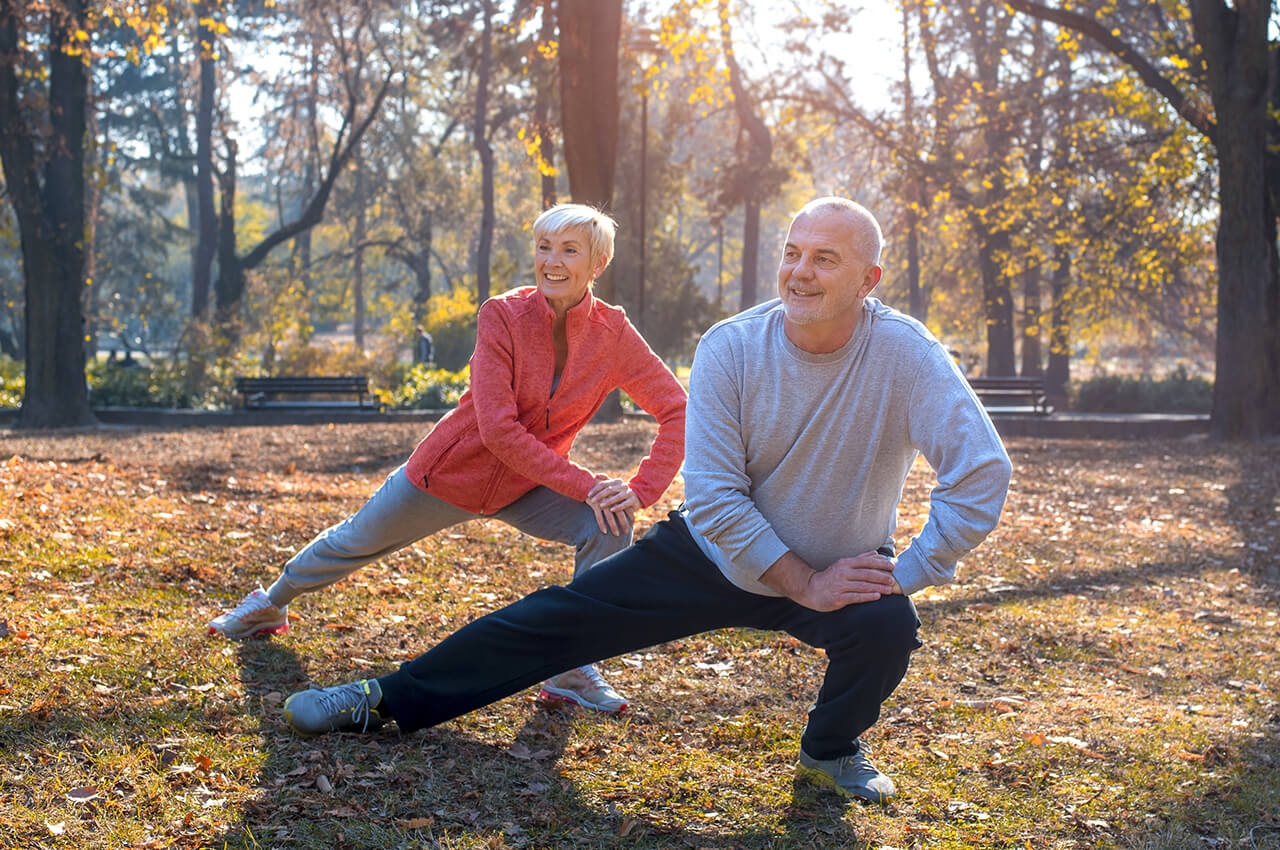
[{"x": 661, "y": 588}]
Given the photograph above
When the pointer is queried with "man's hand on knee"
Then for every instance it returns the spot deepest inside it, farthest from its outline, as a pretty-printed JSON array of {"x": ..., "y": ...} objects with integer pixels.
[{"x": 848, "y": 581}]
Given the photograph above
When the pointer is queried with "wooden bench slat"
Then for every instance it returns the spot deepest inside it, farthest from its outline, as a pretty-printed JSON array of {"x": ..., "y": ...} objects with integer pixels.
[
  {"x": 261, "y": 392},
  {"x": 1012, "y": 395}
]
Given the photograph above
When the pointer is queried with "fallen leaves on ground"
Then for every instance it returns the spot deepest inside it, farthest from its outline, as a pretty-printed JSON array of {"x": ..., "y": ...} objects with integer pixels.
[{"x": 1102, "y": 671}]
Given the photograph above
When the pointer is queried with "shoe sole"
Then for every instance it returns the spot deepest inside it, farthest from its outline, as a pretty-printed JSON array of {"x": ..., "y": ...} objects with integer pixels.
[
  {"x": 266, "y": 631},
  {"x": 822, "y": 779},
  {"x": 576, "y": 699}
]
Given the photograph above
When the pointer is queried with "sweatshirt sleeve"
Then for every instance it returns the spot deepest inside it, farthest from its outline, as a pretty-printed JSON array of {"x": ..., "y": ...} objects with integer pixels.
[
  {"x": 717, "y": 487},
  {"x": 947, "y": 423},
  {"x": 650, "y": 384},
  {"x": 498, "y": 416}
]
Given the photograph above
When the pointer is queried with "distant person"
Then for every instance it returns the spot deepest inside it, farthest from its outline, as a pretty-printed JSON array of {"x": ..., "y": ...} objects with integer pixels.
[
  {"x": 805, "y": 416},
  {"x": 423, "y": 351},
  {"x": 546, "y": 357}
]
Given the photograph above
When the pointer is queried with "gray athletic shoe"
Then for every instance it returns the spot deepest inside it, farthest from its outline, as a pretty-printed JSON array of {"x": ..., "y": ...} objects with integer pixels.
[
  {"x": 850, "y": 776},
  {"x": 342, "y": 708}
]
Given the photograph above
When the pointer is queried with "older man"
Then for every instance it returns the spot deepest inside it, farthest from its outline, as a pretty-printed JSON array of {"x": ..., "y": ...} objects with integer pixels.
[{"x": 805, "y": 415}]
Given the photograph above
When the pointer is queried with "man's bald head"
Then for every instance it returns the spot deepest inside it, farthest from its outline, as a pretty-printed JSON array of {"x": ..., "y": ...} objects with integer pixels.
[{"x": 867, "y": 236}]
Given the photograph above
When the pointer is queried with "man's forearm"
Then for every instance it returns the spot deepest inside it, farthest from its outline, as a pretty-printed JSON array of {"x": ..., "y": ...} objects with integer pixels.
[{"x": 789, "y": 575}]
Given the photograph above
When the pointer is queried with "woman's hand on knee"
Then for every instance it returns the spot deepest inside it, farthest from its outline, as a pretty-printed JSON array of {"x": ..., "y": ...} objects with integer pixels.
[{"x": 614, "y": 505}]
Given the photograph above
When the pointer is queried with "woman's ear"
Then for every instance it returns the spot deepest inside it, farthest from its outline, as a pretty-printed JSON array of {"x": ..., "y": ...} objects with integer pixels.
[{"x": 600, "y": 265}]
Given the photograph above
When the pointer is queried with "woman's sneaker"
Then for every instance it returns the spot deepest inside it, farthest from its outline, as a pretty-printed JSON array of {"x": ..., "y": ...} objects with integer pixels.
[
  {"x": 255, "y": 615},
  {"x": 584, "y": 686}
]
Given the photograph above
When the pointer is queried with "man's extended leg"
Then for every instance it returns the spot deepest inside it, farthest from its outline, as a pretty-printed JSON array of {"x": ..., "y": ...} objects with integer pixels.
[
  {"x": 660, "y": 589},
  {"x": 549, "y": 515}
]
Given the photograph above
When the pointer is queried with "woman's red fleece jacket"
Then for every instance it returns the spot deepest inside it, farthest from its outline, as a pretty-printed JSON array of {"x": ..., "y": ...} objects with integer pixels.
[{"x": 510, "y": 433}]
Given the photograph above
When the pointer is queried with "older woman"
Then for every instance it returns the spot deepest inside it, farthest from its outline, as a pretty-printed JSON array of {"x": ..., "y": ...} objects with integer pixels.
[{"x": 546, "y": 357}]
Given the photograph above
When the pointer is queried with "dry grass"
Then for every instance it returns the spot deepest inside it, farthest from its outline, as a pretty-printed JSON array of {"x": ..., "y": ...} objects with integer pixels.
[{"x": 1103, "y": 674}]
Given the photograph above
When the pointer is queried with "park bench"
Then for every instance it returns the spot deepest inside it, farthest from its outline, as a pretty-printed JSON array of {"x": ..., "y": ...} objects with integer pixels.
[
  {"x": 1012, "y": 395},
  {"x": 263, "y": 393}
]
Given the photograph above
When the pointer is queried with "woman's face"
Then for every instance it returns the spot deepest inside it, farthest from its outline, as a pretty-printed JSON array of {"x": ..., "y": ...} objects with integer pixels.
[{"x": 562, "y": 263}]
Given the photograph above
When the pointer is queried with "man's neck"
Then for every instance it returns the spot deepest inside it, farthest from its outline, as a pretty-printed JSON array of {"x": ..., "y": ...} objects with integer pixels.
[{"x": 820, "y": 337}]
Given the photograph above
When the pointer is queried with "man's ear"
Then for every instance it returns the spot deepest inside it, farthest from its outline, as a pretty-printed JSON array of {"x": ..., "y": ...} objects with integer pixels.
[{"x": 869, "y": 282}]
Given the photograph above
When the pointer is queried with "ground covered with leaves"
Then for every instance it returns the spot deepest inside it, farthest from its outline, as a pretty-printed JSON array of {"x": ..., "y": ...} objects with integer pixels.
[{"x": 1102, "y": 674}]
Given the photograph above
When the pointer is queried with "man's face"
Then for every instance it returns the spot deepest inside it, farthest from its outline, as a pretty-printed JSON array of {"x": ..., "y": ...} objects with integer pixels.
[{"x": 823, "y": 279}]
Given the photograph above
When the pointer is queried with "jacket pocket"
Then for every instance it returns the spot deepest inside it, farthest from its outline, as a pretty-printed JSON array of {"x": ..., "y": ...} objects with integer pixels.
[{"x": 441, "y": 458}]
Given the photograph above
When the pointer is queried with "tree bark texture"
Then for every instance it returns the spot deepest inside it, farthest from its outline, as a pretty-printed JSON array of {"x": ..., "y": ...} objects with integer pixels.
[
  {"x": 51, "y": 217},
  {"x": 1058, "y": 372},
  {"x": 755, "y": 166},
  {"x": 480, "y": 139},
  {"x": 357, "y": 270},
  {"x": 589, "y": 33},
  {"x": 1246, "y": 391},
  {"x": 206, "y": 220}
]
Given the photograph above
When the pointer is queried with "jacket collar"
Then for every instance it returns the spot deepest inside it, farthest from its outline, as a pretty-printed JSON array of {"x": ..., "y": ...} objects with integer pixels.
[{"x": 577, "y": 313}]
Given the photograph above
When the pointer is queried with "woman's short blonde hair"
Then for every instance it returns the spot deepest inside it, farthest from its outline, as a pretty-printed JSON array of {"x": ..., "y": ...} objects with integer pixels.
[{"x": 561, "y": 217}]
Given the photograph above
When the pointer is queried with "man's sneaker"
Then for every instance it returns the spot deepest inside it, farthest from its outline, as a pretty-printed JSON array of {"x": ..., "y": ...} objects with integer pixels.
[
  {"x": 255, "y": 615},
  {"x": 850, "y": 776},
  {"x": 343, "y": 708},
  {"x": 584, "y": 686}
]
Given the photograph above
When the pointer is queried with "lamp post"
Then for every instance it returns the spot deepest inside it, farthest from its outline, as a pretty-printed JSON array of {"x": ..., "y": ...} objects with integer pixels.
[{"x": 645, "y": 47}]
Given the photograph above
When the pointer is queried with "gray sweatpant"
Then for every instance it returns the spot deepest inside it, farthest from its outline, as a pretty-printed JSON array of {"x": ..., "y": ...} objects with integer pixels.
[{"x": 399, "y": 514}]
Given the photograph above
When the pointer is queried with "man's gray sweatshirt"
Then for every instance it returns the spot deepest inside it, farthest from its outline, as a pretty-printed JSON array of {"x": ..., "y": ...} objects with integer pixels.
[{"x": 787, "y": 450}]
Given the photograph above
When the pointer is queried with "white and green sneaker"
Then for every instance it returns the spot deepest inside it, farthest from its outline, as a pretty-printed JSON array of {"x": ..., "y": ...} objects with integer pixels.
[{"x": 343, "y": 708}]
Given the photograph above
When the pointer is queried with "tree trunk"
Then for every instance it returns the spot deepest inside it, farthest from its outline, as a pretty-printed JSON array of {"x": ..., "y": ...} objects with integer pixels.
[
  {"x": 229, "y": 288},
  {"x": 51, "y": 219},
  {"x": 542, "y": 108},
  {"x": 1058, "y": 375},
  {"x": 206, "y": 222},
  {"x": 422, "y": 270},
  {"x": 480, "y": 138},
  {"x": 1246, "y": 390},
  {"x": 997, "y": 302},
  {"x": 357, "y": 271},
  {"x": 1031, "y": 322},
  {"x": 589, "y": 32},
  {"x": 750, "y": 252},
  {"x": 917, "y": 298},
  {"x": 756, "y": 163}
]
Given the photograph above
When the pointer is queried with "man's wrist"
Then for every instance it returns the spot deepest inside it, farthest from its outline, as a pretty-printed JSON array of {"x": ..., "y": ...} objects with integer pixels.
[{"x": 790, "y": 576}]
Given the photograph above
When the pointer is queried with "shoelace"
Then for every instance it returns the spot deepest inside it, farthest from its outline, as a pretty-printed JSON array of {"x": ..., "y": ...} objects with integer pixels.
[
  {"x": 593, "y": 676},
  {"x": 251, "y": 603},
  {"x": 340, "y": 701}
]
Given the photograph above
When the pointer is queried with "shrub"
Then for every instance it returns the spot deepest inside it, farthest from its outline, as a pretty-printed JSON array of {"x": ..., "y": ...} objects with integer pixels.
[
  {"x": 160, "y": 383},
  {"x": 1176, "y": 393},
  {"x": 451, "y": 321},
  {"x": 12, "y": 382},
  {"x": 427, "y": 389}
]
